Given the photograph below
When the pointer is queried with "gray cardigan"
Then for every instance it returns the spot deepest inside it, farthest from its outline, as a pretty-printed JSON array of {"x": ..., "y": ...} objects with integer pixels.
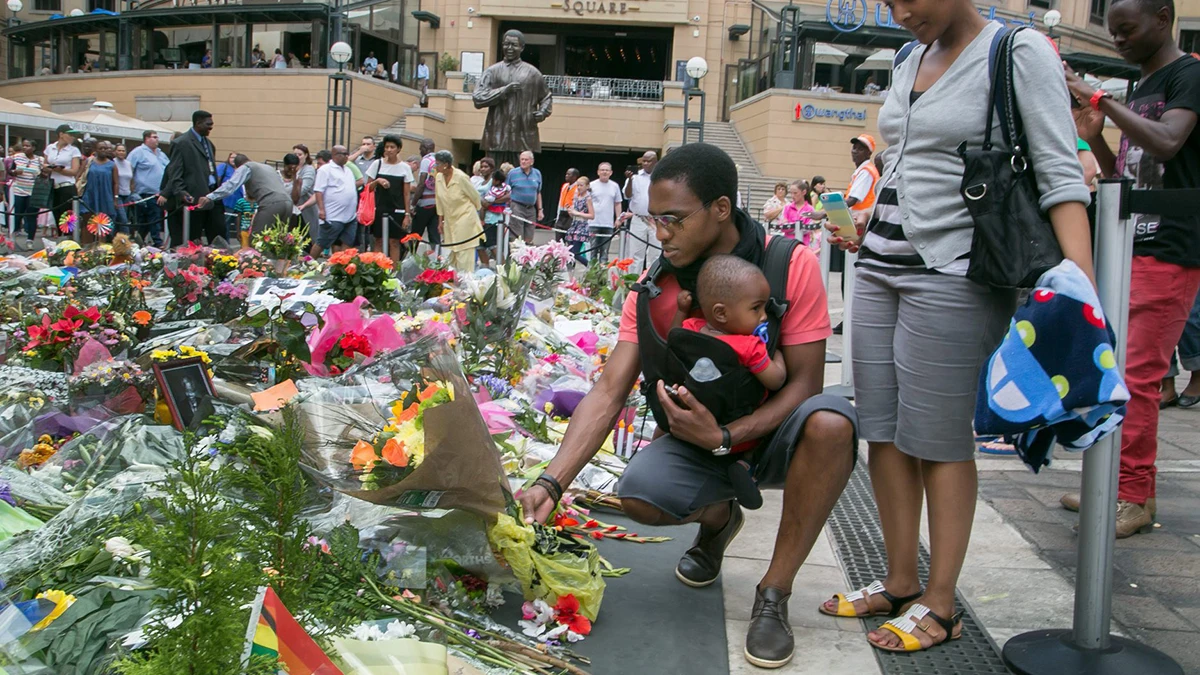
[{"x": 923, "y": 139}]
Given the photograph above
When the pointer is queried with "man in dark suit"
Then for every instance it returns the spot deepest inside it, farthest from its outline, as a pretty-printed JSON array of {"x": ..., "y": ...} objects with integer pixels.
[{"x": 191, "y": 174}]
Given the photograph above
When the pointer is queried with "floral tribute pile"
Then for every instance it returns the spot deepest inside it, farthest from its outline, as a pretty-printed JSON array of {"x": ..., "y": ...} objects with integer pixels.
[{"x": 192, "y": 440}]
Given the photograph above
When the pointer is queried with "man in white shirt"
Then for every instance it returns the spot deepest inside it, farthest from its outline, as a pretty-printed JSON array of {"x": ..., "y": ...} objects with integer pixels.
[
  {"x": 396, "y": 72},
  {"x": 67, "y": 162},
  {"x": 337, "y": 203},
  {"x": 370, "y": 63},
  {"x": 606, "y": 202},
  {"x": 643, "y": 245},
  {"x": 422, "y": 78}
]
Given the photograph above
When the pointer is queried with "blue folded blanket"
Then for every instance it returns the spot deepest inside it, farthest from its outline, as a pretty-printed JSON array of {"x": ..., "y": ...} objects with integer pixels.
[{"x": 1054, "y": 378}]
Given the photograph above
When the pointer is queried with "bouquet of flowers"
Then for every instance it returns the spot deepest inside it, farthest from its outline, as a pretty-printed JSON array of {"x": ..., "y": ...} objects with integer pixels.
[
  {"x": 252, "y": 265},
  {"x": 607, "y": 282},
  {"x": 98, "y": 256},
  {"x": 230, "y": 301},
  {"x": 345, "y": 337},
  {"x": 547, "y": 262},
  {"x": 183, "y": 352},
  {"x": 119, "y": 385},
  {"x": 281, "y": 242},
  {"x": 55, "y": 340},
  {"x": 404, "y": 431},
  {"x": 488, "y": 314},
  {"x": 193, "y": 254},
  {"x": 431, "y": 283},
  {"x": 367, "y": 275},
  {"x": 397, "y": 450},
  {"x": 221, "y": 264},
  {"x": 188, "y": 285}
]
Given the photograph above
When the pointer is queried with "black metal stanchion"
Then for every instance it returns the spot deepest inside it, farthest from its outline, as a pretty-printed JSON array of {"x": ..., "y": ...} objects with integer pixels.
[{"x": 1088, "y": 647}]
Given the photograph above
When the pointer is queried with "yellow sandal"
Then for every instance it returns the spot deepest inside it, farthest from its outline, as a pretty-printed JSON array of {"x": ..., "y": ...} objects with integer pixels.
[
  {"x": 846, "y": 602},
  {"x": 914, "y": 618}
]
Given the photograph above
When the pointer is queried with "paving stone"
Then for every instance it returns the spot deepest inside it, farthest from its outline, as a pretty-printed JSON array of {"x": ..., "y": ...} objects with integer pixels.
[
  {"x": 1168, "y": 450},
  {"x": 814, "y": 584},
  {"x": 1161, "y": 539},
  {"x": 818, "y": 652},
  {"x": 1026, "y": 509},
  {"x": 1179, "y": 645},
  {"x": 1047, "y": 536},
  {"x": 1024, "y": 599},
  {"x": 1047, "y": 478},
  {"x": 1191, "y": 614},
  {"x": 1136, "y": 611},
  {"x": 1159, "y": 563},
  {"x": 1179, "y": 591}
]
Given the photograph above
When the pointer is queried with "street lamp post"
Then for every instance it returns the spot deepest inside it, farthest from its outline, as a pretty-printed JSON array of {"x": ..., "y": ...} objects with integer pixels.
[
  {"x": 338, "y": 99},
  {"x": 696, "y": 69}
]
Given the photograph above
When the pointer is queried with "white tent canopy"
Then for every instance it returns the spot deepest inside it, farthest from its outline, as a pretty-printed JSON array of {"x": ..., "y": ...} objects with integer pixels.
[
  {"x": 829, "y": 55},
  {"x": 880, "y": 60},
  {"x": 95, "y": 122}
]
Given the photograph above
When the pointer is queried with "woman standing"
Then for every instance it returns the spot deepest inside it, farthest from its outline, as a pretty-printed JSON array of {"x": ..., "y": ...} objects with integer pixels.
[
  {"x": 27, "y": 166},
  {"x": 391, "y": 179},
  {"x": 287, "y": 174},
  {"x": 582, "y": 214},
  {"x": 922, "y": 330},
  {"x": 482, "y": 180},
  {"x": 103, "y": 184},
  {"x": 458, "y": 207},
  {"x": 124, "y": 187},
  {"x": 307, "y": 175},
  {"x": 772, "y": 209}
]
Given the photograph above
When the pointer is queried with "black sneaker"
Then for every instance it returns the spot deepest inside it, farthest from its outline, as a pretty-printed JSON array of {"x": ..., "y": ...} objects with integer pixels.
[
  {"x": 701, "y": 565},
  {"x": 769, "y": 641}
]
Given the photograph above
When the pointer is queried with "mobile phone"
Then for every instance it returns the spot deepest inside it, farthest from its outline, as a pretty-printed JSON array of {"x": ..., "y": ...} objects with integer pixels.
[
  {"x": 839, "y": 214},
  {"x": 673, "y": 392}
]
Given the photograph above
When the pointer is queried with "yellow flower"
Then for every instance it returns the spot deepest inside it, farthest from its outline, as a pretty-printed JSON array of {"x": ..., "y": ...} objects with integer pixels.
[
  {"x": 163, "y": 354},
  {"x": 61, "y": 602}
]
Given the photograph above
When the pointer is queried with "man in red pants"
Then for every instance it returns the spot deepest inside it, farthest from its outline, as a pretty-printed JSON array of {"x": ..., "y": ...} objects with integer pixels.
[{"x": 1160, "y": 148}]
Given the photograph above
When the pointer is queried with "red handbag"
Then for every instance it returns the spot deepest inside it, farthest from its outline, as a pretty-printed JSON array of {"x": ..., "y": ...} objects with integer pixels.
[{"x": 366, "y": 206}]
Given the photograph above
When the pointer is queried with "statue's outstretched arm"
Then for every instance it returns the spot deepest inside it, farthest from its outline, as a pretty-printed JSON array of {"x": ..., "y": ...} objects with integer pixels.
[{"x": 486, "y": 94}]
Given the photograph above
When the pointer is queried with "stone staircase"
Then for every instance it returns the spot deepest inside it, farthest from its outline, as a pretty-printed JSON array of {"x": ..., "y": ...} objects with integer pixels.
[
  {"x": 397, "y": 128},
  {"x": 754, "y": 187}
]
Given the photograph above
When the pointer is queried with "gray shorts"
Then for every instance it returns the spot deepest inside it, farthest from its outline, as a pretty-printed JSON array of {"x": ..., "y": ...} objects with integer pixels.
[
  {"x": 329, "y": 233},
  {"x": 918, "y": 343},
  {"x": 521, "y": 214},
  {"x": 680, "y": 478}
]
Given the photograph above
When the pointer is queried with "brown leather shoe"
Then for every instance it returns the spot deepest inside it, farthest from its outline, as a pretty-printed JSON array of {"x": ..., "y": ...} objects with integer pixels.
[
  {"x": 1132, "y": 519},
  {"x": 1070, "y": 502}
]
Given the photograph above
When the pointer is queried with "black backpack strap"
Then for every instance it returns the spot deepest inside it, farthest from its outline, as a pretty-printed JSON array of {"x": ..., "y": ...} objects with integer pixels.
[
  {"x": 777, "y": 263},
  {"x": 904, "y": 52},
  {"x": 647, "y": 286}
]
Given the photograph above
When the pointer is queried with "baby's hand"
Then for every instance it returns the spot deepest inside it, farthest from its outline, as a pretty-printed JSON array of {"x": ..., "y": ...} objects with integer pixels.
[{"x": 685, "y": 302}]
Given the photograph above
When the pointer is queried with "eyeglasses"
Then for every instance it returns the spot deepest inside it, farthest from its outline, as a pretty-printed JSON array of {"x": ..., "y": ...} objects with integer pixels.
[{"x": 674, "y": 222}]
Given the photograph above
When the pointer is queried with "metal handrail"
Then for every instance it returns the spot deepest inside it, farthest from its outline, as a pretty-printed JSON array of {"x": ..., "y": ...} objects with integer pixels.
[{"x": 595, "y": 88}]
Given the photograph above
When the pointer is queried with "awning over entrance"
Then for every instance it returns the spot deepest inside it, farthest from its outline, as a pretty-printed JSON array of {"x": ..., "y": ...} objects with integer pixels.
[
  {"x": 172, "y": 17},
  {"x": 880, "y": 60},
  {"x": 829, "y": 55},
  {"x": 103, "y": 122}
]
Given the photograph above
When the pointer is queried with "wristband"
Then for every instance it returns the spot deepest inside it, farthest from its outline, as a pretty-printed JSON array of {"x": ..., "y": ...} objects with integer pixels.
[
  {"x": 726, "y": 438},
  {"x": 551, "y": 485},
  {"x": 1097, "y": 97}
]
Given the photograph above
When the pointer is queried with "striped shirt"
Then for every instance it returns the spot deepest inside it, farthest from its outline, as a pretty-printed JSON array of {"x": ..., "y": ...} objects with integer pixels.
[
  {"x": 25, "y": 171},
  {"x": 886, "y": 248},
  {"x": 525, "y": 187}
]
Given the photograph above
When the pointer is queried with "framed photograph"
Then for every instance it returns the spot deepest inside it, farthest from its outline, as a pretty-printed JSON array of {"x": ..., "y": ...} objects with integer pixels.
[{"x": 186, "y": 386}]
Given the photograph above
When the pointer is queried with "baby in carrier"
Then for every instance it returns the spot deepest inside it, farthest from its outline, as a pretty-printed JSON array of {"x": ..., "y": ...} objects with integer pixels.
[{"x": 732, "y": 295}]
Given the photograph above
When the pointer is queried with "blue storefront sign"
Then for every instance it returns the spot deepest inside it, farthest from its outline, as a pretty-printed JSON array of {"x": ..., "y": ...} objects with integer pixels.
[
  {"x": 826, "y": 112},
  {"x": 847, "y": 16}
]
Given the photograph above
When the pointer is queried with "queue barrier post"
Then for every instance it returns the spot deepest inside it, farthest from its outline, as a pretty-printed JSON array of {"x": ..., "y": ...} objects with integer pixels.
[
  {"x": 387, "y": 222},
  {"x": 1088, "y": 647},
  {"x": 75, "y": 209},
  {"x": 187, "y": 226}
]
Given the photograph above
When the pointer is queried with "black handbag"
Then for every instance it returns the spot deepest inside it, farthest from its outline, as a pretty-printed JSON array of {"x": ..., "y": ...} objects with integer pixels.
[{"x": 1013, "y": 243}]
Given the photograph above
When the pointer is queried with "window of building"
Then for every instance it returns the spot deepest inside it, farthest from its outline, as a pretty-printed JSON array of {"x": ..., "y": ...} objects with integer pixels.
[
  {"x": 1044, "y": 4},
  {"x": 1099, "y": 11},
  {"x": 47, "y": 5},
  {"x": 108, "y": 5},
  {"x": 1189, "y": 41}
]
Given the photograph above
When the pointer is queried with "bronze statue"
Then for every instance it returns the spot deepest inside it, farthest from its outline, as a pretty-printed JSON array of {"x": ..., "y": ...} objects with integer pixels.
[{"x": 517, "y": 99}]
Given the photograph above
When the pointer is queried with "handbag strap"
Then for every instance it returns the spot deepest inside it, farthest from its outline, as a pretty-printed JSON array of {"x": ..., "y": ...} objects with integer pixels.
[{"x": 998, "y": 98}]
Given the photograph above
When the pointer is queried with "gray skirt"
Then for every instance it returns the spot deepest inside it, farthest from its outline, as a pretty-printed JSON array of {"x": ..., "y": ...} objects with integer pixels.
[{"x": 919, "y": 342}]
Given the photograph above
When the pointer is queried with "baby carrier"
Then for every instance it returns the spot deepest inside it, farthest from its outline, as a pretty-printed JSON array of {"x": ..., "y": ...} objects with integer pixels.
[{"x": 731, "y": 391}]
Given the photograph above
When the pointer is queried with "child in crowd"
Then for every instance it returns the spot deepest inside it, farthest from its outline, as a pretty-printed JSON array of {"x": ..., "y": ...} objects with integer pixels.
[
  {"x": 582, "y": 214},
  {"x": 495, "y": 202},
  {"x": 733, "y": 294}
]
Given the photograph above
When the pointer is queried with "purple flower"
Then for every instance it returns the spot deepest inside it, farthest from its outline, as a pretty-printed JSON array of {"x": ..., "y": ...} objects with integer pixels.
[{"x": 6, "y": 493}]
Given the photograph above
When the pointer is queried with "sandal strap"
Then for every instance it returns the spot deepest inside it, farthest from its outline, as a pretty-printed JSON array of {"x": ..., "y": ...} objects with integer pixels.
[
  {"x": 874, "y": 588},
  {"x": 914, "y": 617}
]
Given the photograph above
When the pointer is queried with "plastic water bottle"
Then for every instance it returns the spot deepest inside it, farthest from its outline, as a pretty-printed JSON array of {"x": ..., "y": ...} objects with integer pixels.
[{"x": 705, "y": 370}]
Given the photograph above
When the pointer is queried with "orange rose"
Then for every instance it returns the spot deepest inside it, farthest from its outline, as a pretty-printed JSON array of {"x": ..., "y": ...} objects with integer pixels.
[
  {"x": 393, "y": 453},
  {"x": 343, "y": 257},
  {"x": 363, "y": 456},
  {"x": 142, "y": 317},
  {"x": 351, "y": 269}
]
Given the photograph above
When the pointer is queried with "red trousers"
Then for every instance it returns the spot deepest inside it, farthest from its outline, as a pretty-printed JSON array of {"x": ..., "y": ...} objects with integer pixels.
[{"x": 1161, "y": 296}]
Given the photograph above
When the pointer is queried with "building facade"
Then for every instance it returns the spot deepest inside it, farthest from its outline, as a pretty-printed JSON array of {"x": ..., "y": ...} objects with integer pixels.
[{"x": 782, "y": 76}]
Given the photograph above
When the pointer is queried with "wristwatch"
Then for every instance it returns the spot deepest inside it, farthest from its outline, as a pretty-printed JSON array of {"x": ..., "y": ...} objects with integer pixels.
[
  {"x": 726, "y": 444},
  {"x": 1097, "y": 97}
]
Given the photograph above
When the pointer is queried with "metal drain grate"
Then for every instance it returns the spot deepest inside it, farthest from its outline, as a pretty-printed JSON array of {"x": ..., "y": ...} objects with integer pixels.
[{"x": 855, "y": 526}]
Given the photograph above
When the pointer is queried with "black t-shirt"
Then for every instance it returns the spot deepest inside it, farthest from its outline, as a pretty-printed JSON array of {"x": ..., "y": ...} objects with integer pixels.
[{"x": 1171, "y": 240}]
